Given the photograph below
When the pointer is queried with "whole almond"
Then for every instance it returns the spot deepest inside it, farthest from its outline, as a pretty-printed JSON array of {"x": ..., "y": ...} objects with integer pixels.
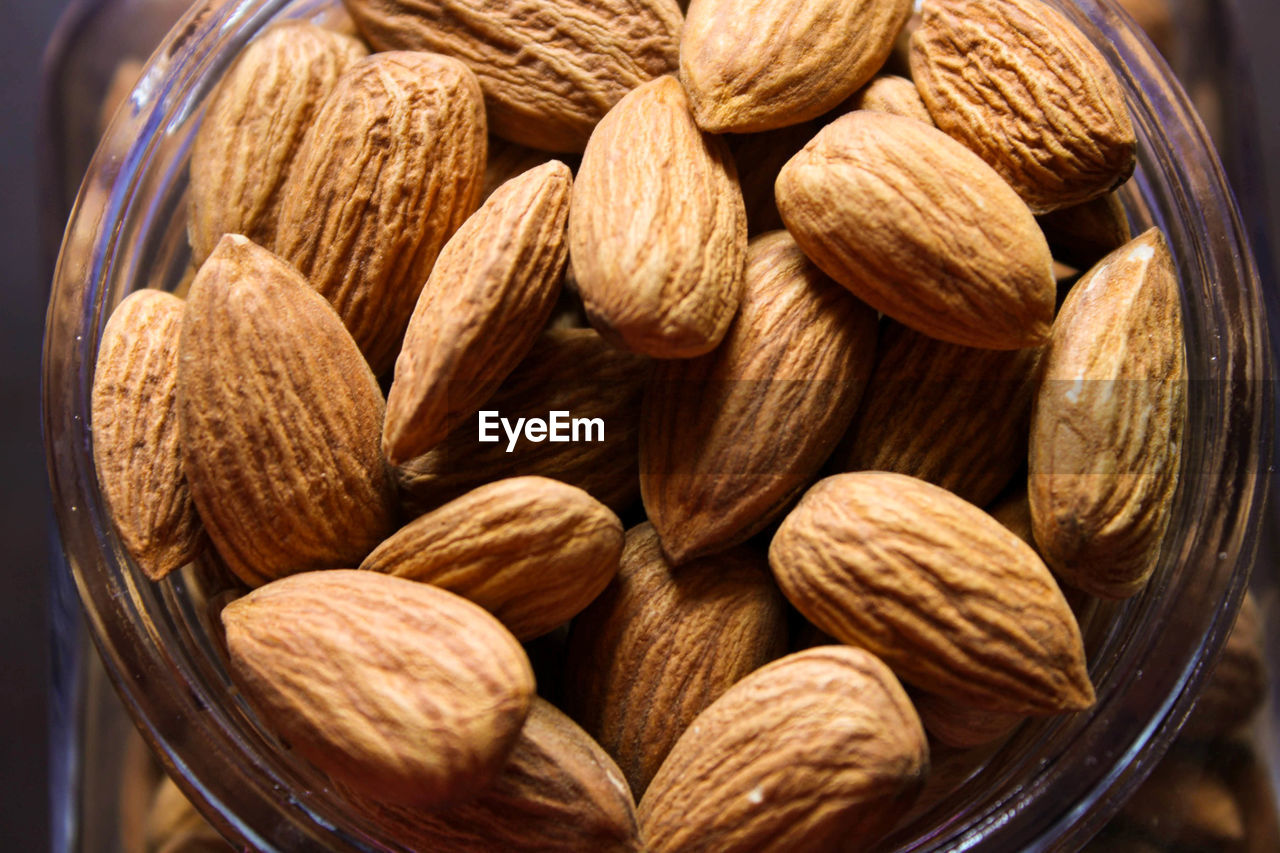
[
  {"x": 1082, "y": 234},
  {"x": 955, "y": 416},
  {"x": 571, "y": 370},
  {"x": 1018, "y": 83},
  {"x": 727, "y": 440},
  {"x": 752, "y": 65},
  {"x": 279, "y": 420},
  {"x": 657, "y": 230},
  {"x": 889, "y": 93},
  {"x": 955, "y": 603},
  {"x": 489, "y": 295},
  {"x": 819, "y": 750},
  {"x": 253, "y": 129},
  {"x": 392, "y": 165},
  {"x": 400, "y": 690},
  {"x": 917, "y": 226},
  {"x": 558, "y": 793},
  {"x": 962, "y": 726},
  {"x": 1108, "y": 421},
  {"x": 549, "y": 71},
  {"x": 136, "y": 450},
  {"x": 659, "y": 645},
  {"x": 532, "y": 551}
]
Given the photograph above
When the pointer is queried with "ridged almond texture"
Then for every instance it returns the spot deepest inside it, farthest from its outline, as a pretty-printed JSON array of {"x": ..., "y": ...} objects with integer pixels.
[
  {"x": 134, "y": 417},
  {"x": 279, "y": 421},
  {"x": 1018, "y": 83},
  {"x": 955, "y": 416},
  {"x": 955, "y": 603},
  {"x": 1082, "y": 234},
  {"x": 1106, "y": 431},
  {"x": 253, "y": 129},
  {"x": 752, "y": 65},
  {"x": 571, "y": 370},
  {"x": 532, "y": 551},
  {"x": 917, "y": 226},
  {"x": 489, "y": 295},
  {"x": 558, "y": 793},
  {"x": 392, "y": 166},
  {"x": 549, "y": 70},
  {"x": 404, "y": 692},
  {"x": 657, "y": 230},
  {"x": 889, "y": 93},
  {"x": 727, "y": 440},
  {"x": 661, "y": 644},
  {"x": 820, "y": 750}
]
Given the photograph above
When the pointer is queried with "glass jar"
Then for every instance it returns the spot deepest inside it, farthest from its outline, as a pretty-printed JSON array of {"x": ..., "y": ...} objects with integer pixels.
[{"x": 1052, "y": 785}]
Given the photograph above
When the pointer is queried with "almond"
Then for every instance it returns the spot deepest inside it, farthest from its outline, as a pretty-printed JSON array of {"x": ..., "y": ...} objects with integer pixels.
[
  {"x": 279, "y": 419},
  {"x": 961, "y": 726},
  {"x": 404, "y": 692},
  {"x": 889, "y": 93},
  {"x": 253, "y": 128},
  {"x": 1185, "y": 805},
  {"x": 752, "y": 65},
  {"x": 758, "y": 158},
  {"x": 729, "y": 439},
  {"x": 1107, "y": 426},
  {"x": 659, "y": 645},
  {"x": 657, "y": 230},
  {"x": 136, "y": 449},
  {"x": 392, "y": 165},
  {"x": 1019, "y": 84},
  {"x": 917, "y": 226},
  {"x": 550, "y": 71},
  {"x": 955, "y": 603},
  {"x": 532, "y": 551},
  {"x": 490, "y": 293},
  {"x": 1082, "y": 234},
  {"x": 816, "y": 751}
]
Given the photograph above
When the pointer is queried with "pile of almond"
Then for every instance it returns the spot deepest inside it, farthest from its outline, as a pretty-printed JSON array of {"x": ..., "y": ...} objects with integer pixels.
[{"x": 796, "y": 260}]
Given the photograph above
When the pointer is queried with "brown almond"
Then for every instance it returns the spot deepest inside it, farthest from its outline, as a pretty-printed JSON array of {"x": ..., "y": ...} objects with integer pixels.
[
  {"x": 816, "y": 751},
  {"x": 279, "y": 419},
  {"x": 1082, "y": 234},
  {"x": 729, "y": 439},
  {"x": 569, "y": 370},
  {"x": 549, "y": 71},
  {"x": 533, "y": 552},
  {"x": 403, "y": 691},
  {"x": 507, "y": 160},
  {"x": 660, "y": 645},
  {"x": 136, "y": 449},
  {"x": 657, "y": 230},
  {"x": 392, "y": 166},
  {"x": 253, "y": 128},
  {"x": 1185, "y": 805},
  {"x": 758, "y": 158},
  {"x": 954, "y": 602},
  {"x": 889, "y": 93},
  {"x": 917, "y": 226},
  {"x": 1019, "y": 84},
  {"x": 962, "y": 726},
  {"x": 753, "y": 65},
  {"x": 1108, "y": 421},
  {"x": 490, "y": 293},
  {"x": 955, "y": 416},
  {"x": 558, "y": 793}
]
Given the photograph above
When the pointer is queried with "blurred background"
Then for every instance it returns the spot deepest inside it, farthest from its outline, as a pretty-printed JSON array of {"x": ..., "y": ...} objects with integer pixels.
[{"x": 1226, "y": 51}]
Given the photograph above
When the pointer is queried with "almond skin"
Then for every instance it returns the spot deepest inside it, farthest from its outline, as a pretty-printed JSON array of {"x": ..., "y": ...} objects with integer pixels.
[
  {"x": 1082, "y": 234},
  {"x": 889, "y": 93},
  {"x": 729, "y": 439},
  {"x": 253, "y": 129},
  {"x": 135, "y": 433},
  {"x": 954, "y": 602},
  {"x": 917, "y": 226},
  {"x": 532, "y": 551},
  {"x": 400, "y": 690},
  {"x": 279, "y": 420},
  {"x": 549, "y": 71},
  {"x": 657, "y": 229},
  {"x": 558, "y": 793},
  {"x": 490, "y": 292},
  {"x": 753, "y": 65},
  {"x": 815, "y": 751},
  {"x": 392, "y": 166},
  {"x": 659, "y": 645},
  {"x": 1108, "y": 420},
  {"x": 1019, "y": 84}
]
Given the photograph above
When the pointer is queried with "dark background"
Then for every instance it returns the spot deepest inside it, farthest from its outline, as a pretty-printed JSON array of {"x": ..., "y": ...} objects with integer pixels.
[{"x": 25, "y": 517}]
